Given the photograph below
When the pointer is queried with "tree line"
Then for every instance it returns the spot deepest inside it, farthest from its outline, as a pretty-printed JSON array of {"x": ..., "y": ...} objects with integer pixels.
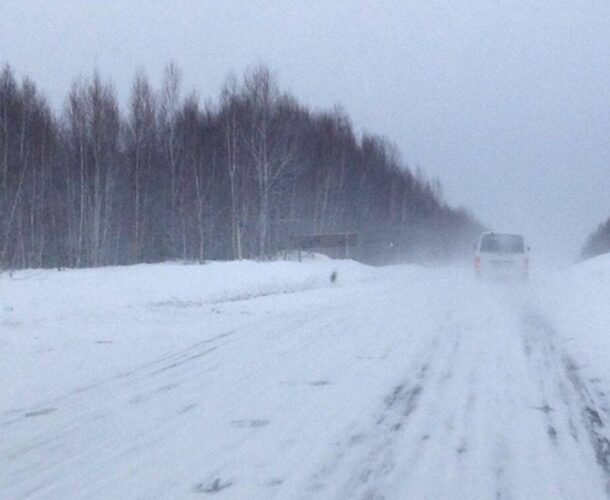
[
  {"x": 598, "y": 241},
  {"x": 169, "y": 178}
]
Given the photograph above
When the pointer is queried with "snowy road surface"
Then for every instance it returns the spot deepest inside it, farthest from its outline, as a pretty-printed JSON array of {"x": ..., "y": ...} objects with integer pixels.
[{"x": 401, "y": 383}]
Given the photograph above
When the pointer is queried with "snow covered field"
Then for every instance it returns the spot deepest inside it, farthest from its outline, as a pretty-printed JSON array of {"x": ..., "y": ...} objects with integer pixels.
[{"x": 265, "y": 380}]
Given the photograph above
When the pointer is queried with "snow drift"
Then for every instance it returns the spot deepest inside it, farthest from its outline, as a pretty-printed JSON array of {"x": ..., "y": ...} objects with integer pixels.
[{"x": 266, "y": 380}]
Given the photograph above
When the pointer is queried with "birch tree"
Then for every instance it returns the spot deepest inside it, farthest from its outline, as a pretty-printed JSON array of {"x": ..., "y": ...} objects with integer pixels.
[{"x": 142, "y": 152}]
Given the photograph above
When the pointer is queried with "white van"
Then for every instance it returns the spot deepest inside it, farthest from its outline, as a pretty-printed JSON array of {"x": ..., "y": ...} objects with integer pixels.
[{"x": 502, "y": 255}]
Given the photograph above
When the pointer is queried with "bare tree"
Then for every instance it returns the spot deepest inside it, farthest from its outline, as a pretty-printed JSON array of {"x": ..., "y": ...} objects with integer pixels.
[
  {"x": 230, "y": 110},
  {"x": 270, "y": 143},
  {"x": 170, "y": 102},
  {"x": 141, "y": 149}
]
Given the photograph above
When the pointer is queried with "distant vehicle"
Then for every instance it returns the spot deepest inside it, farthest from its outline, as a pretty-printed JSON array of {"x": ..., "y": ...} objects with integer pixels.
[{"x": 502, "y": 255}]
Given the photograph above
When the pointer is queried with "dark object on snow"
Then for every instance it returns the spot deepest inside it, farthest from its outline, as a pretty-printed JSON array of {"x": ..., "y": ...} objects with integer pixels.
[
  {"x": 598, "y": 242},
  {"x": 333, "y": 276},
  {"x": 215, "y": 487}
]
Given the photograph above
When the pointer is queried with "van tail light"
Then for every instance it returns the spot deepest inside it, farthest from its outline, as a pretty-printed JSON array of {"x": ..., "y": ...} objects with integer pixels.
[{"x": 477, "y": 262}]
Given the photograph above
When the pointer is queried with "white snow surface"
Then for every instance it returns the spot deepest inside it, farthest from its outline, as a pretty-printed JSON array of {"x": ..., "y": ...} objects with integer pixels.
[{"x": 249, "y": 380}]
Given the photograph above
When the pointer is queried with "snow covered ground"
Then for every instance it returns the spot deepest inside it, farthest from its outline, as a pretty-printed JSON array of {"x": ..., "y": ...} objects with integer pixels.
[{"x": 265, "y": 380}]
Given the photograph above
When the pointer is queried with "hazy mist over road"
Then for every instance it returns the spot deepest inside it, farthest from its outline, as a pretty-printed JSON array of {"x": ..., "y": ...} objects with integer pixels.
[{"x": 506, "y": 103}]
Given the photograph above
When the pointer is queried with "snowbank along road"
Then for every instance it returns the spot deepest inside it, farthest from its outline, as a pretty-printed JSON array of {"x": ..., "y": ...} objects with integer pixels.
[{"x": 393, "y": 383}]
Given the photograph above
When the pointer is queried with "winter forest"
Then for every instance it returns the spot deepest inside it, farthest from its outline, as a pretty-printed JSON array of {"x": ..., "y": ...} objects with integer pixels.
[{"x": 168, "y": 178}]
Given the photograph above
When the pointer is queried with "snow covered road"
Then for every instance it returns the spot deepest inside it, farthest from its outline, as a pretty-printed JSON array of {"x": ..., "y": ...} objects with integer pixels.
[{"x": 400, "y": 383}]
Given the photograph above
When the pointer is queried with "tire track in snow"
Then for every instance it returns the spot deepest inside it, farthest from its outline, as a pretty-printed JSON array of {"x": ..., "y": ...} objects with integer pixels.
[
  {"x": 367, "y": 453},
  {"x": 594, "y": 417},
  {"x": 475, "y": 403},
  {"x": 163, "y": 363},
  {"x": 494, "y": 389},
  {"x": 87, "y": 425},
  {"x": 52, "y": 442},
  {"x": 565, "y": 390},
  {"x": 368, "y": 457}
]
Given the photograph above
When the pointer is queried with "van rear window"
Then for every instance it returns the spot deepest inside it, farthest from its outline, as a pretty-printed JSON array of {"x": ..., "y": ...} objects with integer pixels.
[{"x": 502, "y": 243}]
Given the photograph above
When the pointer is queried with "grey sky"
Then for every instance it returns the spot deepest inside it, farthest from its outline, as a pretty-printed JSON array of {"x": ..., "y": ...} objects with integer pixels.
[{"x": 506, "y": 102}]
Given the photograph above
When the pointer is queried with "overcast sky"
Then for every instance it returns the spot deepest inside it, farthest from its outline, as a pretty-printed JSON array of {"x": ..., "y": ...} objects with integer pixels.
[{"x": 506, "y": 102}]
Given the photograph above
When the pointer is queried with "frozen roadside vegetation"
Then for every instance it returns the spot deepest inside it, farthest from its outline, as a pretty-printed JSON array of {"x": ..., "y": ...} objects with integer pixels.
[{"x": 266, "y": 380}]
